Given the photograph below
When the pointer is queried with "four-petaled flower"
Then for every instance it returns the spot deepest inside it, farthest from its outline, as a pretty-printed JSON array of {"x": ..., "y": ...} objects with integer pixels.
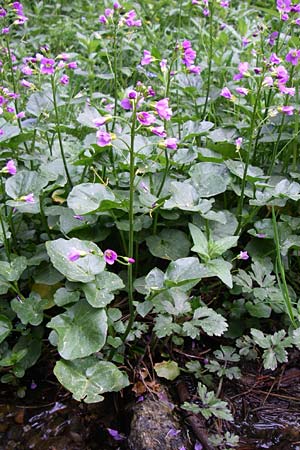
[
  {"x": 110, "y": 256},
  {"x": 243, "y": 255}
]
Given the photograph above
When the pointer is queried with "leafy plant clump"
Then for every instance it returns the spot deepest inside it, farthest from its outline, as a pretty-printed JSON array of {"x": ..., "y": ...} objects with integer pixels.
[{"x": 149, "y": 172}]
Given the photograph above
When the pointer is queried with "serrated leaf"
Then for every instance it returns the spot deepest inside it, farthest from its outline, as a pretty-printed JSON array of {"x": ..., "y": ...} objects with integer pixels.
[
  {"x": 30, "y": 310},
  {"x": 211, "y": 322}
]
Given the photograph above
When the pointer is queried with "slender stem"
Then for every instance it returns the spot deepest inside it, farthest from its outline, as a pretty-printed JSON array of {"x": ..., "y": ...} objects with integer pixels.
[
  {"x": 210, "y": 57},
  {"x": 5, "y": 240},
  {"x": 282, "y": 281},
  {"x": 131, "y": 224},
  {"x": 251, "y": 137},
  {"x": 58, "y": 131}
]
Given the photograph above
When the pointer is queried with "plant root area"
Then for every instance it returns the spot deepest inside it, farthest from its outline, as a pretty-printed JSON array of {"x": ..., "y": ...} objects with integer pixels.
[{"x": 265, "y": 406}]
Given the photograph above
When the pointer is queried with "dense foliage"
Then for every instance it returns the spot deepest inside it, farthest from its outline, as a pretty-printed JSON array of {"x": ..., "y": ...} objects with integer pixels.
[{"x": 149, "y": 189}]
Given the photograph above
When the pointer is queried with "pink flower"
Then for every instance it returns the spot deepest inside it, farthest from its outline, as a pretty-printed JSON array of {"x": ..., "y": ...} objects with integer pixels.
[
  {"x": 74, "y": 255},
  {"x": 103, "y": 138},
  {"x": 245, "y": 42},
  {"x": 243, "y": 255},
  {"x": 72, "y": 65},
  {"x": 159, "y": 131},
  {"x": 275, "y": 59},
  {"x": 145, "y": 118},
  {"x": 293, "y": 56},
  {"x": 242, "y": 91},
  {"x": 281, "y": 74},
  {"x": 286, "y": 90},
  {"x": 10, "y": 167},
  {"x": 64, "y": 80},
  {"x": 287, "y": 110},
  {"x": 26, "y": 70},
  {"x": 110, "y": 256},
  {"x": 163, "y": 110},
  {"x": 47, "y": 66},
  {"x": 20, "y": 115},
  {"x": 225, "y": 92},
  {"x": 243, "y": 70},
  {"x": 238, "y": 143},
  {"x": 116, "y": 435},
  {"x": 126, "y": 103},
  {"x": 171, "y": 143},
  {"x": 29, "y": 198},
  {"x": 129, "y": 260},
  {"x": 5, "y": 30},
  {"x": 101, "y": 120},
  {"x": 147, "y": 58},
  {"x": 268, "y": 81},
  {"x": 102, "y": 19},
  {"x": 108, "y": 12},
  {"x": 163, "y": 65}
]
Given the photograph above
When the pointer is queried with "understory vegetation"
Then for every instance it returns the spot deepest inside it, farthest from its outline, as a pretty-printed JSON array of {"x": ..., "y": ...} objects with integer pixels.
[{"x": 150, "y": 186}]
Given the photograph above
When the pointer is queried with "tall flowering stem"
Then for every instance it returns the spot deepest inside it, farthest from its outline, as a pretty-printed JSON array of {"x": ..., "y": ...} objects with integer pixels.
[
  {"x": 131, "y": 221},
  {"x": 210, "y": 57},
  {"x": 58, "y": 131},
  {"x": 248, "y": 156}
]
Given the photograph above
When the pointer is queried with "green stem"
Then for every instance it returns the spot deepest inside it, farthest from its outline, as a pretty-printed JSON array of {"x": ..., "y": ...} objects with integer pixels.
[
  {"x": 5, "y": 240},
  {"x": 131, "y": 224},
  {"x": 58, "y": 131},
  {"x": 248, "y": 157},
  {"x": 282, "y": 280},
  {"x": 210, "y": 57}
]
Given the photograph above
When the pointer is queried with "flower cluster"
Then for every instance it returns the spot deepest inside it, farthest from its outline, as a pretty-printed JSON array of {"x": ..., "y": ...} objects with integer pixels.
[
  {"x": 285, "y": 7},
  {"x": 128, "y": 19},
  {"x": 189, "y": 56},
  {"x": 18, "y": 15}
]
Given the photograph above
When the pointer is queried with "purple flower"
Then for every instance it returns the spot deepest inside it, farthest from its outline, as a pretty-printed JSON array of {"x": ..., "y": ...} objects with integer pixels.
[
  {"x": 283, "y": 5},
  {"x": 126, "y": 103},
  {"x": 159, "y": 131},
  {"x": 243, "y": 70},
  {"x": 116, "y": 435},
  {"x": 64, "y": 79},
  {"x": 145, "y": 118},
  {"x": 101, "y": 120},
  {"x": 47, "y": 66},
  {"x": 110, "y": 256},
  {"x": 268, "y": 81},
  {"x": 26, "y": 70},
  {"x": 238, "y": 143},
  {"x": 272, "y": 38},
  {"x": 281, "y": 74},
  {"x": 29, "y": 198},
  {"x": 147, "y": 58},
  {"x": 163, "y": 65},
  {"x": 26, "y": 84},
  {"x": 198, "y": 446},
  {"x": 243, "y": 255},
  {"x": 108, "y": 12},
  {"x": 293, "y": 56},
  {"x": 224, "y": 4},
  {"x": 245, "y": 42},
  {"x": 173, "y": 432},
  {"x": 242, "y": 91},
  {"x": 10, "y": 167},
  {"x": 2, "y": 12},
  {"x": 102, "y": 19},
  {"x": 286, "y": 90},
  {"x": 20, "y": 115},
  {"x": 33, "y": 385},
  {"x": 261, "y": 235},
  {"x": 287, "y": 110},
  {"x": 130, "y": 19},
  {"x": 103, "y": 138},
  {"x": 129, "y": 260},
  {"x": 72, "y": 65},
  {"x": 75, "y": 254},
  {"x": 225, "y": 92},
  {"x": 5, "y": 30},
  {"x": 275, "y": 59},
  {"x": 163, "y": 110},
  {"x": 78, "y": 217},
  {"x": 171, "y": 143}
]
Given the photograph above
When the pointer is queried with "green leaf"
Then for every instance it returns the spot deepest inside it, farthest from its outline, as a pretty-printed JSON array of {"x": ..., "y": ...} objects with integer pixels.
[
  {"x": 217, "y": 248},
  {"x": 83, "y": 269},
  {"x": 25, "y": 182},
  {"x": 169, "y": 244},
  {"x": 210, "y": 321},
  {"x": 13, "y": 270},
  {"x": 87, "y": 197},
  {"x": 219, "y": 268},
  {"x": 167, "y": 369},
  {"x": 184, "y": 272},
  {"x": 89, "y": 378},
  {"x": 64, "y": 297},
  {"x": 9, "y": 131},
  {"x": 184, "y": 196},
  {"x": 209, "y": 178},
  {"x": 5, "y": 327},
  {"x": 81, "y": 330},
  {"x": 88, "y": 116},
  {"x": 200, "y": 242},
  {"x": 100, "y": 292},
  {"x": 164, "y": 326},
  {"x": 30, "y": 310},
  {"x": 261, "y": 310},
  {"x": 39, "y": 103}
]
